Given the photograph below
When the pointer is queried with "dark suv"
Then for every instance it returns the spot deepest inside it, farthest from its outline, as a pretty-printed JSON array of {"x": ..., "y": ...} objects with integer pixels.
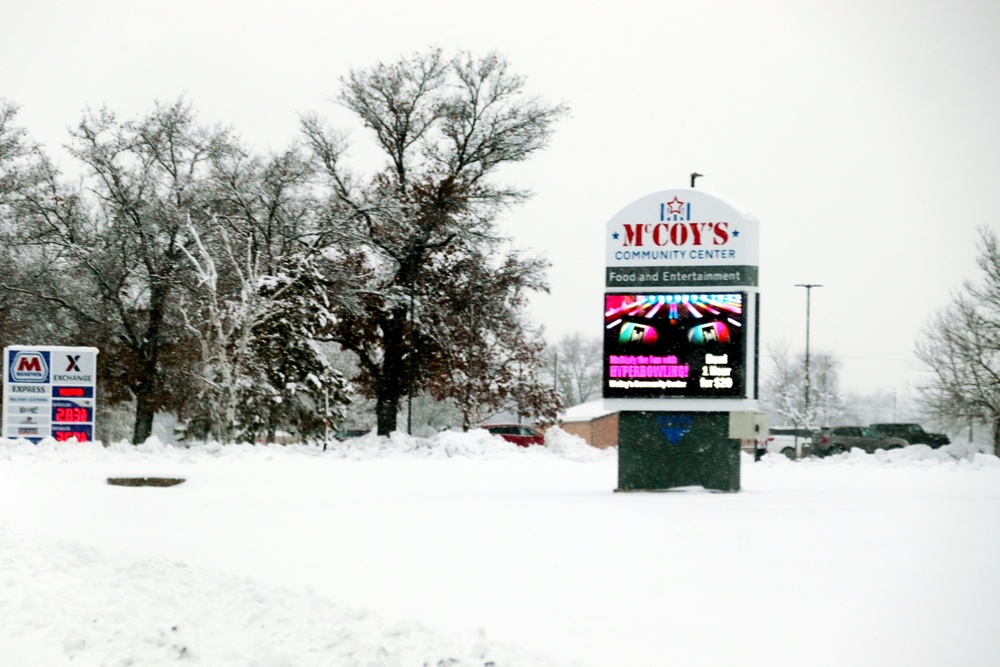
[
  {"x": 913, "y": 434},
  {"x": 839, "y": 439}
]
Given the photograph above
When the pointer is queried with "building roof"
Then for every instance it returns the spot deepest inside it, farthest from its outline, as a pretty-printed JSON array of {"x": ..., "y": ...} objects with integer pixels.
[{"x": 585, "y": 412}]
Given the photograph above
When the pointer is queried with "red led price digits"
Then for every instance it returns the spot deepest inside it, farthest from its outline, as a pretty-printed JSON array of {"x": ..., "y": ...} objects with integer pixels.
[
  {"x": 63, "y": 436},
  {"x": 72, "y": 415}
]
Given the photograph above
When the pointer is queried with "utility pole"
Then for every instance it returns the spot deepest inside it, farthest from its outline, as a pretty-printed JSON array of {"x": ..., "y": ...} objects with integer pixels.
[
  {"x": 409, "y": 372},
  {"x": 326, "y": 416},
  {"x": 555, "y": 372},
  {"x": 808, "y": 287}
]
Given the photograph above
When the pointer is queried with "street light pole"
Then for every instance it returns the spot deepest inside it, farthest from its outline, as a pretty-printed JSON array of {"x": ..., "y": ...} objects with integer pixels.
[{"x": 808, "y": 287}]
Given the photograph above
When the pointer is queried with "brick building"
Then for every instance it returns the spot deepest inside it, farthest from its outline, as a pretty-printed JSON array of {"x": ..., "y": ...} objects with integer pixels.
[{"x": 590, "y": 421}]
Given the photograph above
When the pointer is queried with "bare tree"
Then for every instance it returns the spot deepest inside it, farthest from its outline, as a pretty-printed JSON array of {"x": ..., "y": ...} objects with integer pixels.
[
  {"x": 960, "y": 346},
  {"x": 263, "y": 295},
  {"x": 21, "y": 167},
  {"x": 488, "y": 358},
  {"x": 13, "y": 146},
  {"x": 150, "y": 179},
  {"x": 578, "y": 364},
  {"x": 444, "y": 127},
  {"x": 221, "y": 329},
  {"x": 260, "y": 367},
  {"x": 783, "y": 391}
]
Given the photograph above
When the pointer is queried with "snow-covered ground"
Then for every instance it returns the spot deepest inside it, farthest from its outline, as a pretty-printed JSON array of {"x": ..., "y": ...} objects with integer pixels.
[{"x": 463, "y": 550}]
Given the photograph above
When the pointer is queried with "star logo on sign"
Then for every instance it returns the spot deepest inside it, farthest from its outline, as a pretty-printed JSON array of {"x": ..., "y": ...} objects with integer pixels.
[
  {"x": 736, "y": 232},
  {"x": 676, "y": 206},
  {"x": 615, "y": 236}
]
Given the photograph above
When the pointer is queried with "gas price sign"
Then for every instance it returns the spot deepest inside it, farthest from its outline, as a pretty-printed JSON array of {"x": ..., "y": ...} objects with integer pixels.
[
  {"x": 49, "y": 391},
  {"x": 674, "y": 345}
]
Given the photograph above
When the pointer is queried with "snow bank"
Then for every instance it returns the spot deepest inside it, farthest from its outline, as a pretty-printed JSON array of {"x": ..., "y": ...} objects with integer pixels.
[
  {"x": 120, "y": 610},
  {"x": 475, "y": 444},
  {"x": 958, "y": 456}
]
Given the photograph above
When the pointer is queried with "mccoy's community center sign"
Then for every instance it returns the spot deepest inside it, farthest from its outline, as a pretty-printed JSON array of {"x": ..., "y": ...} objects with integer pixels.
[
  {"x": 680, "y": 308},
  {"x": 680, "y": 339}
]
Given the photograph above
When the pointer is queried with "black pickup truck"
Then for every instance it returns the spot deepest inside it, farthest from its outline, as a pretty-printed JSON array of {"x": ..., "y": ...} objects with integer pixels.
[{"x": 912, "y": 433}]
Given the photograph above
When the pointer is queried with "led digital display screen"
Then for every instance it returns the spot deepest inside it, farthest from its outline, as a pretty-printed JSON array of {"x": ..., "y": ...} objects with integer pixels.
[
  {"x": 64, "y": 436},
  {"x": 71, "y": 414},
  {"x": 64, "y": 432},
  {"x": 72, "y": 392},
  {"x": 674, "y": 345}
]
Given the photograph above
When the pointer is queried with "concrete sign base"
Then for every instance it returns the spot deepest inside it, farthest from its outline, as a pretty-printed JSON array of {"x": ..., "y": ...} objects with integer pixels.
[{"x": 664, "y": 450}]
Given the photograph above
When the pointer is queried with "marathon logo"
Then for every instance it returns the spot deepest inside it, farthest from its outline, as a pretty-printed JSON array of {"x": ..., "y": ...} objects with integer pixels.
[{"x": 27, "y": 366}]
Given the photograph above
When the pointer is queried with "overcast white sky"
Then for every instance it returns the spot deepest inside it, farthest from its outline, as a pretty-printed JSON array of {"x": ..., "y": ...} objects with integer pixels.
[{"x": 863, "y": 135}]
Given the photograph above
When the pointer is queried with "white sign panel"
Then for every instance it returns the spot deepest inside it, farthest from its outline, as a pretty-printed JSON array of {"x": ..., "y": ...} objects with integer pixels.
[
  {"x": 49, "y": 391},
  {"x": 681, "y": 239}
]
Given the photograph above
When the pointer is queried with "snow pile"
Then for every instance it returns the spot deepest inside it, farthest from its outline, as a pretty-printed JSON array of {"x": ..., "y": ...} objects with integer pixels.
[
  {"x": 573, "y": 447},
  {"x": 961, "y": 455},
  {"x": 65, "y": 601},
  {"x": 949, "y": 456},
  {"x": 115, "y": 610},
  {"x": 475, "y": 444}
]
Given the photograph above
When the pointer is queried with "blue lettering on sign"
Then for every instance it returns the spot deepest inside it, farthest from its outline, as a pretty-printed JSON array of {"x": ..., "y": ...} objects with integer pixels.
[{"x": 674, "y": 427}]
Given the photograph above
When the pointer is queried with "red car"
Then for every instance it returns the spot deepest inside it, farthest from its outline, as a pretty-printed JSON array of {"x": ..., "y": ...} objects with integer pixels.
[{"x": 519, "y": 434}]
